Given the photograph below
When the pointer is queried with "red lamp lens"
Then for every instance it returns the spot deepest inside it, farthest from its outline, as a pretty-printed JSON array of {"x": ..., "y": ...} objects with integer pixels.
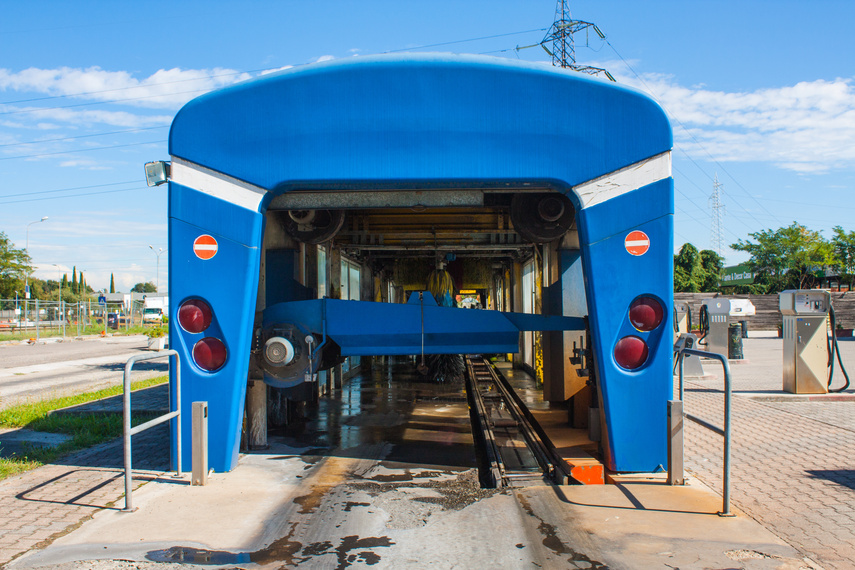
[
  {"x": 209, "y": 353},
  {"x": 631, "y": 352},
  {"x": 195, "y": 315},
  {"x": 645, "y": 313}
]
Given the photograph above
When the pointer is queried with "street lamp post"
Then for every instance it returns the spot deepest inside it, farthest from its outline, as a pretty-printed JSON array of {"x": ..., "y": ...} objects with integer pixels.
[
  {"x": 157, "y": 252},
  {"x": 27, "y": 273},
  {"x": 27, "y": 249}
]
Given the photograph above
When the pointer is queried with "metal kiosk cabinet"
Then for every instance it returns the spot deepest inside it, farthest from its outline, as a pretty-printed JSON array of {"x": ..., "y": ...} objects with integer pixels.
[
  {"x": 805, "y": 333},
  {"x": 682, "y": 318},
  {"x": 718, "y": 311}
]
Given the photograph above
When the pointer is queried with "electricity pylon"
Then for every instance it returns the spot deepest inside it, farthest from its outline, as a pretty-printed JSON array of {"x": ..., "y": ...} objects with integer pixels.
[{"x": 560, "y": 35}]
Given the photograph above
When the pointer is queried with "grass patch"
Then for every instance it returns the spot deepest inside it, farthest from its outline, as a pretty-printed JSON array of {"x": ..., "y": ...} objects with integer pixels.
[{"x": 85, "y": 430}]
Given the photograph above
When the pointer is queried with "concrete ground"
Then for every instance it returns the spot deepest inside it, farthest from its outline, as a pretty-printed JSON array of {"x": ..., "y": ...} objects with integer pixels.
[{"x": 360, "y": 499}]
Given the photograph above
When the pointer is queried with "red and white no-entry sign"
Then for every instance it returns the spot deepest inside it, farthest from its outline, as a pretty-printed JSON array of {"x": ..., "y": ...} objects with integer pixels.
[
  {"x": 205, "y": 247},
  {"x": 637, "y": 243}
]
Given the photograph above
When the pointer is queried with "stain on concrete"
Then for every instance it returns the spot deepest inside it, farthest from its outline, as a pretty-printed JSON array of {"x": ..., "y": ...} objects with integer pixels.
[{"x": 555, "y": 544}]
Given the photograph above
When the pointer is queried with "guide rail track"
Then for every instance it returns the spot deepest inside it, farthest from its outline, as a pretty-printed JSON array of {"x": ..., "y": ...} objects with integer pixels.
[{"x": 514, "y": 455}]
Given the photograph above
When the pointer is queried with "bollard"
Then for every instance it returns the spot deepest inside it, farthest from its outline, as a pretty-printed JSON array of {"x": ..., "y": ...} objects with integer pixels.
[
  {"x": 734, "y": 341},
  {"x": 200, "y": 443},
  {"x": 676, "y": 471}
]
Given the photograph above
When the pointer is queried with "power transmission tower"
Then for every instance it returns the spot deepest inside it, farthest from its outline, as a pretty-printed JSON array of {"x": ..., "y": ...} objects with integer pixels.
[
  {"x": 560, "y": 35},
  {"x": 718, "y": 210}
]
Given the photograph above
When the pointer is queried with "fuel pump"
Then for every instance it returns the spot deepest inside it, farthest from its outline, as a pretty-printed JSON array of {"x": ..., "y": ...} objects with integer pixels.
[
  {"x": 712, "y": 320},
  {"x": 682, "y": 318},
  {"x": 809, "y": 350}
]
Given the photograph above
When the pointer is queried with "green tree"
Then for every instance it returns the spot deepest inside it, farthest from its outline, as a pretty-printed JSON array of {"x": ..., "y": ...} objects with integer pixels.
[
  {"x": 712, "y": 264},
  {"x": 688, "y": 269},
  {"x": 144, "y": 288},
  {"x": 786, "y": 258},
  {"x": 14, "y": 267},
  {"x": 74, "y": 287},
  {"x": 112, "y": 284},
  {"x": 843, "y": 246}
]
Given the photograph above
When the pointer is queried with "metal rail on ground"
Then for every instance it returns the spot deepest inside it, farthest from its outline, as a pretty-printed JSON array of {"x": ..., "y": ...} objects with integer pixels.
[
  {"x": 128, "y": 431},
  {"x": 681, "y": 349},
  {"x": 510, "y": 420}
]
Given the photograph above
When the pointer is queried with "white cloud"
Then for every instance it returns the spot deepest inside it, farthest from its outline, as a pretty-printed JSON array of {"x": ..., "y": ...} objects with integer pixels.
[
  {"x": 269, "y": 71},
  {"x": 325, "y": 58},
  {"x": 79, "y": 117},
  {"x": 808, "y": 127},
  {"x": 166, "y": 88}
]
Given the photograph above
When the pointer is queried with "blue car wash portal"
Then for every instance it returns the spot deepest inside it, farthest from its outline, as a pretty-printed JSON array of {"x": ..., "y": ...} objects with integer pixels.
[{"x": 308, "y": 207}]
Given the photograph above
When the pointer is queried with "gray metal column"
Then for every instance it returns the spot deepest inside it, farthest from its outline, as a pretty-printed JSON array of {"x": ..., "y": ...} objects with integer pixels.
[
  {"x": 676, "y": 473},
  {"x": 200, "y": 443}
]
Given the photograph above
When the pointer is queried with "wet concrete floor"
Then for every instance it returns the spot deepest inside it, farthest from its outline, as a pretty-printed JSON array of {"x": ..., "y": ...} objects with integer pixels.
[{"x": 382, "y": 474}]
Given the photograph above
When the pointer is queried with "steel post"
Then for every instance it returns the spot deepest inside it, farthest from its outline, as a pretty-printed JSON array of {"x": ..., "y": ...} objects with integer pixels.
[
  {"x": 676, "y": 471},
  {"x": 199, "y": 446}
]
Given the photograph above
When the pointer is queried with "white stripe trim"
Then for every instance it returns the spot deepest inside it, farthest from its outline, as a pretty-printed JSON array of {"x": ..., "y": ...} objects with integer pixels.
[
  {"x": 634, "y": 243},
  {"x": 624, "y": 180},
  {"x": 211, "y": 247},
  {"x": 216, "y": 184}
]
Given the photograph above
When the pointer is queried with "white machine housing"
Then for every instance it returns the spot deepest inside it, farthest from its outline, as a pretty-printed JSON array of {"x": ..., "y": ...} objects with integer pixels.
[
  {"x": 720, "y": 310},
  {"x": 805, "y": 334}
]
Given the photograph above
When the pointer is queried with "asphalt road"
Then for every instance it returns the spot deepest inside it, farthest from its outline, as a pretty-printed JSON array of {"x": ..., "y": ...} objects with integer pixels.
[{"x": 43, "y": 371}]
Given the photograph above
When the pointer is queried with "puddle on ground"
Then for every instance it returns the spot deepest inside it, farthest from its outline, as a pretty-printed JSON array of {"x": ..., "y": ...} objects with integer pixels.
[{"x": 350, "y": 550}]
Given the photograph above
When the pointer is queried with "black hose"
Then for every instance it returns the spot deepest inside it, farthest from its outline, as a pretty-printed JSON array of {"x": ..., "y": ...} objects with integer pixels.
[
  {"x": 832, "y": 349},
  {"x": 703, "y": 323}
]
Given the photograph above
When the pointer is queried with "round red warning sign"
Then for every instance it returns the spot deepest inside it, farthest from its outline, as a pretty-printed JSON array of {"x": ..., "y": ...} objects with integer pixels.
[
  {"x": 637, "y": 243},
  {"x": 205, "y": 247}
]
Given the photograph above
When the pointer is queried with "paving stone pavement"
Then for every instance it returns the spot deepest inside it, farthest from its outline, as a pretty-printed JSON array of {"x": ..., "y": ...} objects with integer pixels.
[
  {"x": 792, "y": 466},
  {"x": 38, "y": 506}
]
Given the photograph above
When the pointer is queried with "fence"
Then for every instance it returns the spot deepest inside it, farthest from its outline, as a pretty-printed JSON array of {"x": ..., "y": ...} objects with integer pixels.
[{"x": 52, "y": 318}]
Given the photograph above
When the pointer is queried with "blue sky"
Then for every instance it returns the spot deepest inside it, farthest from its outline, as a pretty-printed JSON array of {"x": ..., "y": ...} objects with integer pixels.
[{"x": 760, "y": 94}]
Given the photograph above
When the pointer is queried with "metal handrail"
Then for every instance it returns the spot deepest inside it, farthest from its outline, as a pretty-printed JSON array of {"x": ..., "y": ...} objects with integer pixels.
[
  {"x": 128, "y": 431},
  {"x": 680, "y": 350}
]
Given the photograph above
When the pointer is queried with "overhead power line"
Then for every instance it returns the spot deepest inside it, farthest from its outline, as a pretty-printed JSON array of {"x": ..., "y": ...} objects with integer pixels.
[
  {"x": 80, "y": 150},
  {"x": 137, "y": 130},
  {"x": 73, "y": 195}
]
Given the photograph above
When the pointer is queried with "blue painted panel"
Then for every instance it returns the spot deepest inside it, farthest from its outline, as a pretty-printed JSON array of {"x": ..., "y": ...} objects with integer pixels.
[
  {"x": 231, "y": 294},
  {"x": 367, "y": 328},
  {"x": 419, "y": 117},
  {"x": 634, "y": 401},
  {"x": 237, "y": 224}
]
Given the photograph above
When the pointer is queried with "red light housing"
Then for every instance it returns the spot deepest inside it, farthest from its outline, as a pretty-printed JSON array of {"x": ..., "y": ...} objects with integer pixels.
[
  {"x": 209, "y": 354},
  {"x": 631, "y": 352},
  {"x": 646, "y": 313},
  {"x": 195, "y": 315}
]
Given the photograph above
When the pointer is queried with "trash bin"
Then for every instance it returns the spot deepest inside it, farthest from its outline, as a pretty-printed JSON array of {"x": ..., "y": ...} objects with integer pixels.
[
  {"x": 744, "y": 328},
  {"x": 734, "y": 341}
]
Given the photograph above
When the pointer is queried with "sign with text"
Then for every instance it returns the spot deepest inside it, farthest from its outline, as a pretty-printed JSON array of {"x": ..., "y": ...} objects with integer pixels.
[{"x": 736, "y": 275}]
